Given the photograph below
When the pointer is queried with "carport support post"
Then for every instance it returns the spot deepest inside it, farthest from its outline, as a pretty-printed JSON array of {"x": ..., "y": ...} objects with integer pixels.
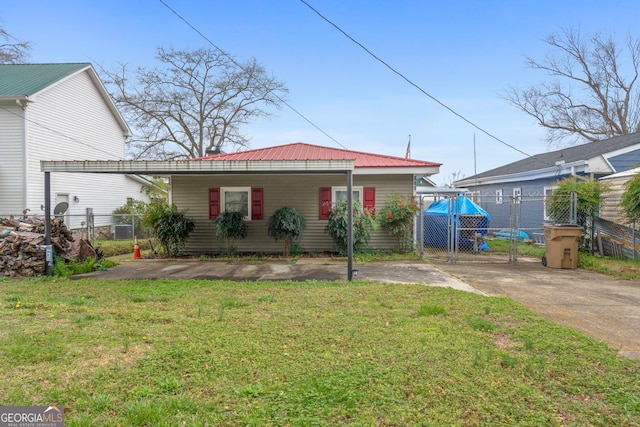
[
  {"x": 420, "y": 236},
  {"x": 349, "y": 225},
  {"x": 48, "y": 270}
]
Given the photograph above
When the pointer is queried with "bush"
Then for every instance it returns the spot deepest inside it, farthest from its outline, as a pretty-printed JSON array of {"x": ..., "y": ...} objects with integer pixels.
[
  {"x": 230, "y": 226},
  {"x": 589, "y": 194},
  {"x": 630, "y": 201},
  {"x": 397, "y": 217},
  {"x": 170, "y": 226},
  {"x": 363, "y": 223},
  {"x": 286, "y": 224}
]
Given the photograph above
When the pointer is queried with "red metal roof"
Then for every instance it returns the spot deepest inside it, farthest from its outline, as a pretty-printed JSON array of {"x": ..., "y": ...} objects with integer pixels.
[{"x": 302, "y": 151}]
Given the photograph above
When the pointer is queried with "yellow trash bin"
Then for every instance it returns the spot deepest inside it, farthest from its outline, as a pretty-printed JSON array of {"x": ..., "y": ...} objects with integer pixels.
[{"x": 561, "y": 244}]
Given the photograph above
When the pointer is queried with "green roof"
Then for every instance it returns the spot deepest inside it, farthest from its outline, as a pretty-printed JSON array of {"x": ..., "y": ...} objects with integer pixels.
[{"x": 28, "y": 79}]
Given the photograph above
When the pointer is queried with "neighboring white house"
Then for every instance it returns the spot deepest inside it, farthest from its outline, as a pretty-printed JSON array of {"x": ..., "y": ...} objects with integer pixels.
[{"x": 60, "y": 112}]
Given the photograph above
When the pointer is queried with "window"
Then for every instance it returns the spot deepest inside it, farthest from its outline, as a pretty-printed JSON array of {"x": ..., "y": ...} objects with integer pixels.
[
  {"x": 499, "y": 196},
  {"x": 548, "y": 191},
  {"x": 517, "y": 194},
  {"x": 247, "y": 200},
  {"x": 236, "y": 199},
  {"x": 365, "y": 195},
  {"x": 340, "y": 193},
  {"x": 474, "y": 196}
]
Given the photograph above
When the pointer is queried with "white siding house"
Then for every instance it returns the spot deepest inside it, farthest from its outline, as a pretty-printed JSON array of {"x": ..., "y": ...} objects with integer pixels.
[
  {"x": 59, "y": 112},
  {"x": 610, "y": 209}
]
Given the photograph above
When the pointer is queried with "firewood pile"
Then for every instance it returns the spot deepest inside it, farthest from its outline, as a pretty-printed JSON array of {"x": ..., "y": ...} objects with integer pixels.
[{"x": 21, "y": 245}]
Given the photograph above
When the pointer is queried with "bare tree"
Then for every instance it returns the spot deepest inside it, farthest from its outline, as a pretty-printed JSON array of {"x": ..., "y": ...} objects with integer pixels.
[
  {"x": 12, "y": 50},
  {"x": 194, "y": 103},
  {"x": 592, "y": 94},
  {"x": 453, "y": 177}
]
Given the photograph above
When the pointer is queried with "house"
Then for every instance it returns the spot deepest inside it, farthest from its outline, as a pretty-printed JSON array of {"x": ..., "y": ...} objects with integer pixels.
[
  {"x": 56, "y": 112},
  {"x": 303, "y": 176},
  {"x": 610, "y": 209},
  {"x": 528, "y": 181},
  {"x": 374, "y": 178}
]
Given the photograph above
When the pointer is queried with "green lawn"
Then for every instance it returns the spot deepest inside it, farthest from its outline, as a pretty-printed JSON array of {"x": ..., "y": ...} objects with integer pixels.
[{"x": 195, "y": 353}]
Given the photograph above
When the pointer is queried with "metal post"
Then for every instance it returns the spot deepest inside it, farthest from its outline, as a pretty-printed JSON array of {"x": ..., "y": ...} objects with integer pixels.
[
  {"x": 452, "y": 229},
  {"x": 349, "y": 225},
  {"x": 514, "y": 233},
  {"x": 421, "y": 228},
  {"x": 48, "y": 269},
  {"x": 633, "y": 238}
]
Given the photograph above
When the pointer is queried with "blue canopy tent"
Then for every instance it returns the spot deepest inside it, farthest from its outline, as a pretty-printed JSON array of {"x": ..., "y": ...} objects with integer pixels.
[{"x": 468, "y": 221}]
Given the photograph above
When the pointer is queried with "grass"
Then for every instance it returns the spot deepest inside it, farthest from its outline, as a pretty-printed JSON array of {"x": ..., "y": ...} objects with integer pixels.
[{"x": 195, "y": 353}]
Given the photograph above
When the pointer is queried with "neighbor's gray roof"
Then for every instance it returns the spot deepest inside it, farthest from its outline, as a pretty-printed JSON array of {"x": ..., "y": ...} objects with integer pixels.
[
  {"x": 570, "y": 154},
  {"x": 29, "y": 79}
]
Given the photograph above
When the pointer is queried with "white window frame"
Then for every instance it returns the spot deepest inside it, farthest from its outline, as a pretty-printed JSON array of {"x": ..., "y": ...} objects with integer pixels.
[
  {"x": 334, "y": 191},
  {"x": 499, "y": 196},
  {"x": 474, "y": 196},
  {"x": 223, "y": 203},
  {"x": 548, "y": 191},
  {"x": 517, "y": 194}
]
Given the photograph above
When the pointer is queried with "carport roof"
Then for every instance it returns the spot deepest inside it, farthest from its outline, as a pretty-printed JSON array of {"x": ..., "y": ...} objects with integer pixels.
[
  {"x": 303, "y": 152},
  {"x": 181, "y": 167}
]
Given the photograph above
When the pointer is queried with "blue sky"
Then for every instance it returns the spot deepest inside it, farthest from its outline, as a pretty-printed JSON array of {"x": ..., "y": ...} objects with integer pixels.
[{"x": 463, "y": 53}]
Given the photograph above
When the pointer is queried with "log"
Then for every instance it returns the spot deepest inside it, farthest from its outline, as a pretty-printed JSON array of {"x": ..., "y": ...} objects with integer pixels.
[{"x": 21, "y": 240}]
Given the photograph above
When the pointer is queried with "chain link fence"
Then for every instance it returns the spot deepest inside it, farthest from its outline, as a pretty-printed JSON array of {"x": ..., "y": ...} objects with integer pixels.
[
  {"x": 94, "y": 227},
  {"x": 489, "y": 228}
]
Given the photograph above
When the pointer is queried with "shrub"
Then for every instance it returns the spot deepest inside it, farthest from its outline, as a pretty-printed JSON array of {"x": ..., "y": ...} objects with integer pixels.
[
  {"x": 170, "y": 226},
  {"x": 286, "y": 224},
  {"x": 630, "y": 201},
  {"x": 230, "y": 226},
  {"x": 589, "y": 194},
  {"x": 363, "y": 223},
  {"x": 397, "y": 217}
]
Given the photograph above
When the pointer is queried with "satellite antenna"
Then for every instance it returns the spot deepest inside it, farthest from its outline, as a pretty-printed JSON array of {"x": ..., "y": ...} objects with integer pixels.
[{"x": 60, "y": 209}]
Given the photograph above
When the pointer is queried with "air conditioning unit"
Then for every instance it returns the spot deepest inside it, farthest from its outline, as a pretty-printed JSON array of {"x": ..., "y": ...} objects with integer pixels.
[{"x": 122, "y": 232}]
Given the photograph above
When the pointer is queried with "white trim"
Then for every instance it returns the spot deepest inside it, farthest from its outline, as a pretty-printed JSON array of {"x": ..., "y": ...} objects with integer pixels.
[
  {"x": 417, "y": 170},
  {"x": 517, "y": 194},
  {"x": 223, "y": 203},
  {"x": 337, "y": 188},
  {"x": 627, "y": 173},
  {"x": 544, "y": 201},
  {"x": 564, "y": 169}
]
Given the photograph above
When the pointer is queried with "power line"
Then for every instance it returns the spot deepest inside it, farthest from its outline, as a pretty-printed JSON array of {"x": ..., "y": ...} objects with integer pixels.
[
  {"x": 241, "y": 67},
  {"x": 58, "y": 132},
  {"x": 409, "y": 81}
]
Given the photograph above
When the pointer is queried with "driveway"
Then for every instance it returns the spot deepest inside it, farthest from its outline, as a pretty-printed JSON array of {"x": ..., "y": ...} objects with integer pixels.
[{"x": 604, "y": 308}]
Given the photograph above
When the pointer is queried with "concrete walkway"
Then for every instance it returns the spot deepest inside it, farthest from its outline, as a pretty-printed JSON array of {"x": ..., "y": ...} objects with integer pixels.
[
  {"x": 303, "y": 269},
  {"x": 604, "y": 308}
]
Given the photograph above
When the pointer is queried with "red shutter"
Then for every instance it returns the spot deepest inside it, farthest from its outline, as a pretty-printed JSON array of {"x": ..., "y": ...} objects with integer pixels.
[
  {"x": 257, "y": 200},
  {"x": 369, "y": 200},
  {"x": 214, "y": 203},
  {"x": 325, "y": 202}
]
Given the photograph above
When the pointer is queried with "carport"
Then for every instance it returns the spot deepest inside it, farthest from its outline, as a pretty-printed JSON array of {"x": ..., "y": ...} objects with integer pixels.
[{"x": 201, "y": 167}]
